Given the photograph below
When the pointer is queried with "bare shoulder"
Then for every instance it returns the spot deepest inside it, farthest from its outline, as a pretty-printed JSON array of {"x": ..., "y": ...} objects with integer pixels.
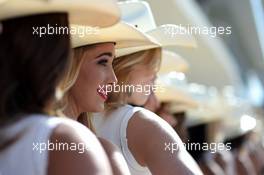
[
  {"x": 150, "y": 140},
  {"x": 151, "y": 127},
  {"x": 108, "y": 145},
  {"x": 82, "y": 154},
  {"x": 148, "y": 133}
]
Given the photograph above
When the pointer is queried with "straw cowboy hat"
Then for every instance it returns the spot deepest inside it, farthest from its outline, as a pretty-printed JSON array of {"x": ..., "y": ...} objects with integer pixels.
[
  {"x": 211, "y": 109},
  {"x": 171, "y": 62},
  {"x": 202, "y": 115},
  {"x": 180, "y": 100},
  {"x": 139, "y": 14},
  {"x": 239, "y": 119},
  {"x": 122, "y": 34},
  {"x": 132, "y": 38},
  {"x": 84, "y": 12}
]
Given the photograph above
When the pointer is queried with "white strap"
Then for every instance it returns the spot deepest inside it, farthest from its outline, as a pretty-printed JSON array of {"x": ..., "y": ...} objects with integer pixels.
[{"x": 124, "y": 144}]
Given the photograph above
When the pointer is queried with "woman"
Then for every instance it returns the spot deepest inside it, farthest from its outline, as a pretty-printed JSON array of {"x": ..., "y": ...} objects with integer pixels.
[
  {"x": 95, "y": 71},
  {"x": 34, "y": 66},
  {"x": 90, "y": 74},
  {"x": 140, "y": 134}
]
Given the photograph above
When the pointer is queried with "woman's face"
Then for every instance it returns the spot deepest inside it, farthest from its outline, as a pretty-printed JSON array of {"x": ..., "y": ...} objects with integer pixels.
[
  {"x": 143, "y": 79},
  {"x": 96, "y": 73}
]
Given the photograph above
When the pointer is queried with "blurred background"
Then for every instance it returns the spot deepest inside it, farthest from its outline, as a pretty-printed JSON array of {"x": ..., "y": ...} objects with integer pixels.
[{"x": 236, "y": 59}]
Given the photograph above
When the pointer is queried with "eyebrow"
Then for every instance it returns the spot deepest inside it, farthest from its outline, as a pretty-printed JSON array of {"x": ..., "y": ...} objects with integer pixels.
[{"x": 105, "y": 53}]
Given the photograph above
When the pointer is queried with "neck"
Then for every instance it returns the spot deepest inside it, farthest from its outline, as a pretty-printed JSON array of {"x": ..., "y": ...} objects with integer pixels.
[{"x": 72, "y": 110}]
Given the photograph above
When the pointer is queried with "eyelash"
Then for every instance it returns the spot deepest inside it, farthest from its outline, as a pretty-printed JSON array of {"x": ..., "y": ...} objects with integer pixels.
[{"x": 103, "y": 62}]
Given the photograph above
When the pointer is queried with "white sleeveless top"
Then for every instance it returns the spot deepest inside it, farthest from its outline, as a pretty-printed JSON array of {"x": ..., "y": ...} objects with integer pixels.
[
  {"x": 114, "y": 128},
  {"x": 21, "y": 157}
]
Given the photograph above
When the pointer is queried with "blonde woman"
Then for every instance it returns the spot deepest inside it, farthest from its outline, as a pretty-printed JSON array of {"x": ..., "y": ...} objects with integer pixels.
[
  {"x": 95, "y": 70},
  {"x": 33, "y": 67},
  {"x": 91, "y": 72},
  {"x": 148, "y": 143}
]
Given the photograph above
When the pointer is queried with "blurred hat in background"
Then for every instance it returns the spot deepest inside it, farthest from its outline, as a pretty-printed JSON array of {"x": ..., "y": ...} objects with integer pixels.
[
  {"x": 174, "y": 93},
  {"x": 139, "y": 14},
  {"x": 239, "y": 119},
  {"x": 172, "y": 62}
]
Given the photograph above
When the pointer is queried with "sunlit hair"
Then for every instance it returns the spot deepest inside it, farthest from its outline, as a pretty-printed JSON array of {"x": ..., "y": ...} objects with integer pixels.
[
  {"x": 123, "y": 68},
  {"x": 71, "y": 77},
  {"x": 72, "y": 73}
]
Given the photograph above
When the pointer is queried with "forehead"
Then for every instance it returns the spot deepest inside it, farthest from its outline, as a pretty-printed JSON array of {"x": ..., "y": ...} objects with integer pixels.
[
  {"x": 110, "y": 47},
  {"x": 97, "y": 49}
]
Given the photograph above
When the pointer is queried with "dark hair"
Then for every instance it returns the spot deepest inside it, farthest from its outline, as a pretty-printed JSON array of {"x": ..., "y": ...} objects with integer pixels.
[{"x": 31, "y": 66}]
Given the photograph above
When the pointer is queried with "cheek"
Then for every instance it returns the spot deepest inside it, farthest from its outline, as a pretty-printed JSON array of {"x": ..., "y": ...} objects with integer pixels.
[
  {"x": 144, "y": 92},
  {"x": 84, "y": 89},
  {"x": 85, "y": 80},
  {"x": 139, "y": 98},
  {"x": 141, "y": 80},
  {"x": 91, "y": 77}
]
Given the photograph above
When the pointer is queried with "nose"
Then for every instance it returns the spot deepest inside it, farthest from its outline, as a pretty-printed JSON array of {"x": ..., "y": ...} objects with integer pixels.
[{"x": 112, "y": 78}]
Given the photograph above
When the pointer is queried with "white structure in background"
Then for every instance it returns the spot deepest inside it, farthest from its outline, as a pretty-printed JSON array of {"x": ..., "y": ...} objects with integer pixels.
[{"x": 211, "y": 63}]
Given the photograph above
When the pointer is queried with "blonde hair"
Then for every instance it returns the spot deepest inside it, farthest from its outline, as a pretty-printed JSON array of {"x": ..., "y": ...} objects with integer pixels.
[
  {"x": 123, "y": 67},
  {"x": 71, "y": 76},
  {"x": 69, "y": 80}
]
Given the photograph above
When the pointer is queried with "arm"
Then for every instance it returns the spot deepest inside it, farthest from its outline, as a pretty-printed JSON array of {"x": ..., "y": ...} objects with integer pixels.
[
  {"x": 92, "y": 161},
  {"x": 147, "y": 134},
  {"x": 115, "y": 157}
]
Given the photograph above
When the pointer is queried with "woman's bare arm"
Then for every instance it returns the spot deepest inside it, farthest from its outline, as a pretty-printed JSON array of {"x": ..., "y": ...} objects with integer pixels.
[
  {"x": 117, "y": 161},
  {"x": 89, "y": 161},
  {"x": 156, "y": 145}
]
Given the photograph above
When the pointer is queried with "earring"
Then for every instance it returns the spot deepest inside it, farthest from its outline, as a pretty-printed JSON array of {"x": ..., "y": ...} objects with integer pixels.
[{"x": 58, "y": 94}]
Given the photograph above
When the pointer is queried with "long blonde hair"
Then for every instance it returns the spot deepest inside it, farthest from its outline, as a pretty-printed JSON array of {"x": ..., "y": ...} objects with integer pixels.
[
  {"x": 123, "y": 67},
  {"x": 70, "y": 79}
]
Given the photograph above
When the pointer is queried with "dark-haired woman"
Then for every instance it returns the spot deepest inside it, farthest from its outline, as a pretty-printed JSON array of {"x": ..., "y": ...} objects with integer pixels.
[{"x": 31, "y": 141}]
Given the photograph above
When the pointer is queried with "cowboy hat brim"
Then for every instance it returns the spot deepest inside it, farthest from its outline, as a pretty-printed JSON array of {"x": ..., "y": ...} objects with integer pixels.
[
  {"x": 172, "y": 62},
  {"x": 174, "y": 95},
  {"x": 168, "y": 92},
  {"x": 83, "y": 12},
  {"x": 139, "y": 14},
  {"x": 122, "y": 34},
  {"x": 167, "y": 35}
]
